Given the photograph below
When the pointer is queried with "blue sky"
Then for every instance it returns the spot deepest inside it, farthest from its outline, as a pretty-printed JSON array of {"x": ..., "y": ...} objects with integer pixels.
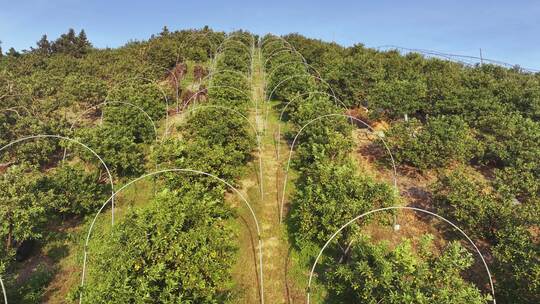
[{"x": 505, "y": 30}]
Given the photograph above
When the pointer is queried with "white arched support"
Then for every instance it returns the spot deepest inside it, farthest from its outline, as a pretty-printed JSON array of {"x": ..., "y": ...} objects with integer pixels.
[
  {"x": 300, "y": 132},
  {"x": 404, "y": 208},
  {"x": 251, "y": 210}
]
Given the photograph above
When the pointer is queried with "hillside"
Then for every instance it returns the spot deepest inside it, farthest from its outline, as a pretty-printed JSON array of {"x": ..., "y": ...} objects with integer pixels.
[{"x": 209, "y": 167}]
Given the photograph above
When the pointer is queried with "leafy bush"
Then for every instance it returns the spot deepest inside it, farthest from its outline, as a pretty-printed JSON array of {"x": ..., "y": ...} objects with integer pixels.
[
  {"x": 23, "y": 205},
  {"x": 438, "y": 143},
  {"x": 398, "y": 97},
  {"x": 177, "y": 249},
  {"x": 469, "y": 203},
  {"x": 375, "y": 273},
  {"x": 517, "y": 265},
  {"x": 76, "y": 191},
  {"x": 115, "y": 145},
  {"x": 328, "y": 195}
]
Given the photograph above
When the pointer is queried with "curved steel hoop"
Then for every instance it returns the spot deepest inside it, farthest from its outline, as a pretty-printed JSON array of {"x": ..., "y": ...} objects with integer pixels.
[
  {"x": 3, "y": 291},
  {"x": 406, "y": 208},
  {"x": 319, "y": 118},
  {"x": 242, "y": 197}
]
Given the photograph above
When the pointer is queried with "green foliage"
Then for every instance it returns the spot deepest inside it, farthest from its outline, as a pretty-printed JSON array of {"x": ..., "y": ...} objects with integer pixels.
[
  {"x": 235, "y": 56},
  {"x": 286, "y": 83},
  {"x": 49, "y": 87},
  {"x": 72, "y": 44},
  {"x": 179, "y": 249},
  {"x": 116, "y": 145},
  {"x": 39, "y": 151},
  {"x": 438, "y": 143},
  {"x": 321, "y": 138},
  {"x": 330, "y": 194},
  {"x": 135, "y": 123},
  {"x": 517, "y": 266},
  {"x": 84, "y": 90},
  {"x": 147, "y": 96},
  {"x": 470, "y": 204},
  {"x": 22, "y": 204},
  {"x": 398, "y": 97},
  {"x": 221, "y": 127},
  {"x": 76, "y": 191},
  {"x": 513, "y": 143},
  {"x": 375, "y": 273},
  {"x": 452, "y": 105}
]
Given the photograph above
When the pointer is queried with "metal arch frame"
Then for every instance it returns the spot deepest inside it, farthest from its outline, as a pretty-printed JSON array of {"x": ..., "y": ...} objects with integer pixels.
[
  {"x": 291, "y": 47},
  {"x": 276, "y": 38},
  {"x": 225, "y": 45},
  {"x": 77, "y": 142},
  {"x": 3, "y": 290},
  {"x": 297, "y": 97},
  {"x": 280, "y": 51},
  {"x": 221, "y": 52},
  {"x": 16, "y": 95},
  {"x": 223, "y": 71},
  {"x": 301, "y": 75},
  {"x": 257, "y": 135},
  {"x": 18, "y": 107},
  {"x": 11, "y": 110},
  {"x": 267, "y": 38},
  {"x": 295, "y": 76},
  {"x": 428, "y": 54},
  {"x": 456, "y": 58},
  {"x": 216, "y": 86},
  {"x": 272, "y": 40},
  {"x": 119, "y": 102},
  {"x": 319, "y": 118},
  {"x": 229, "y": 38},
  {"x": 178, "y": 170},
  {"x": 406, "y": 208},
  {"x": 238, "y": 34},
  {"x": 307, "y": 65}
]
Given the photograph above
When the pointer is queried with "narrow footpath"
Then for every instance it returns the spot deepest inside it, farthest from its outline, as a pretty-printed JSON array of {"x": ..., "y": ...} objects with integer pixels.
[{"x": 273, "y": 234}]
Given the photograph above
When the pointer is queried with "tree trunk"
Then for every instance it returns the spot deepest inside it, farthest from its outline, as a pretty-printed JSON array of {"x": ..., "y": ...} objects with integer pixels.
[
  {"x": 9, "y": 236},
  {"x": 345, "y": 252}
]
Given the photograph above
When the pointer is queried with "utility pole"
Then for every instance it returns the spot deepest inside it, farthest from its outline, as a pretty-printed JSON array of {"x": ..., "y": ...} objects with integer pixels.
[{"x": 481, "y": 58}]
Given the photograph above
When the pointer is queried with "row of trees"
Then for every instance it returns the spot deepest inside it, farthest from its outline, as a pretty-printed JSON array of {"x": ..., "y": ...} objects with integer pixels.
[
  {"x": 329, "y": 191},
  {"x": 102, "y": 98},
  {"x": 507, "y": 225},
  {"x": 498, "y": 107},
  {"x": 180, "y": 247},
  {"x": 444, "y": 114}
]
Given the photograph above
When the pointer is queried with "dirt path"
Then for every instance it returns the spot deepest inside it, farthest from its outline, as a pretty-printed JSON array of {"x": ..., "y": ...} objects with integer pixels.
[{"x": 273, "y": 234}]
